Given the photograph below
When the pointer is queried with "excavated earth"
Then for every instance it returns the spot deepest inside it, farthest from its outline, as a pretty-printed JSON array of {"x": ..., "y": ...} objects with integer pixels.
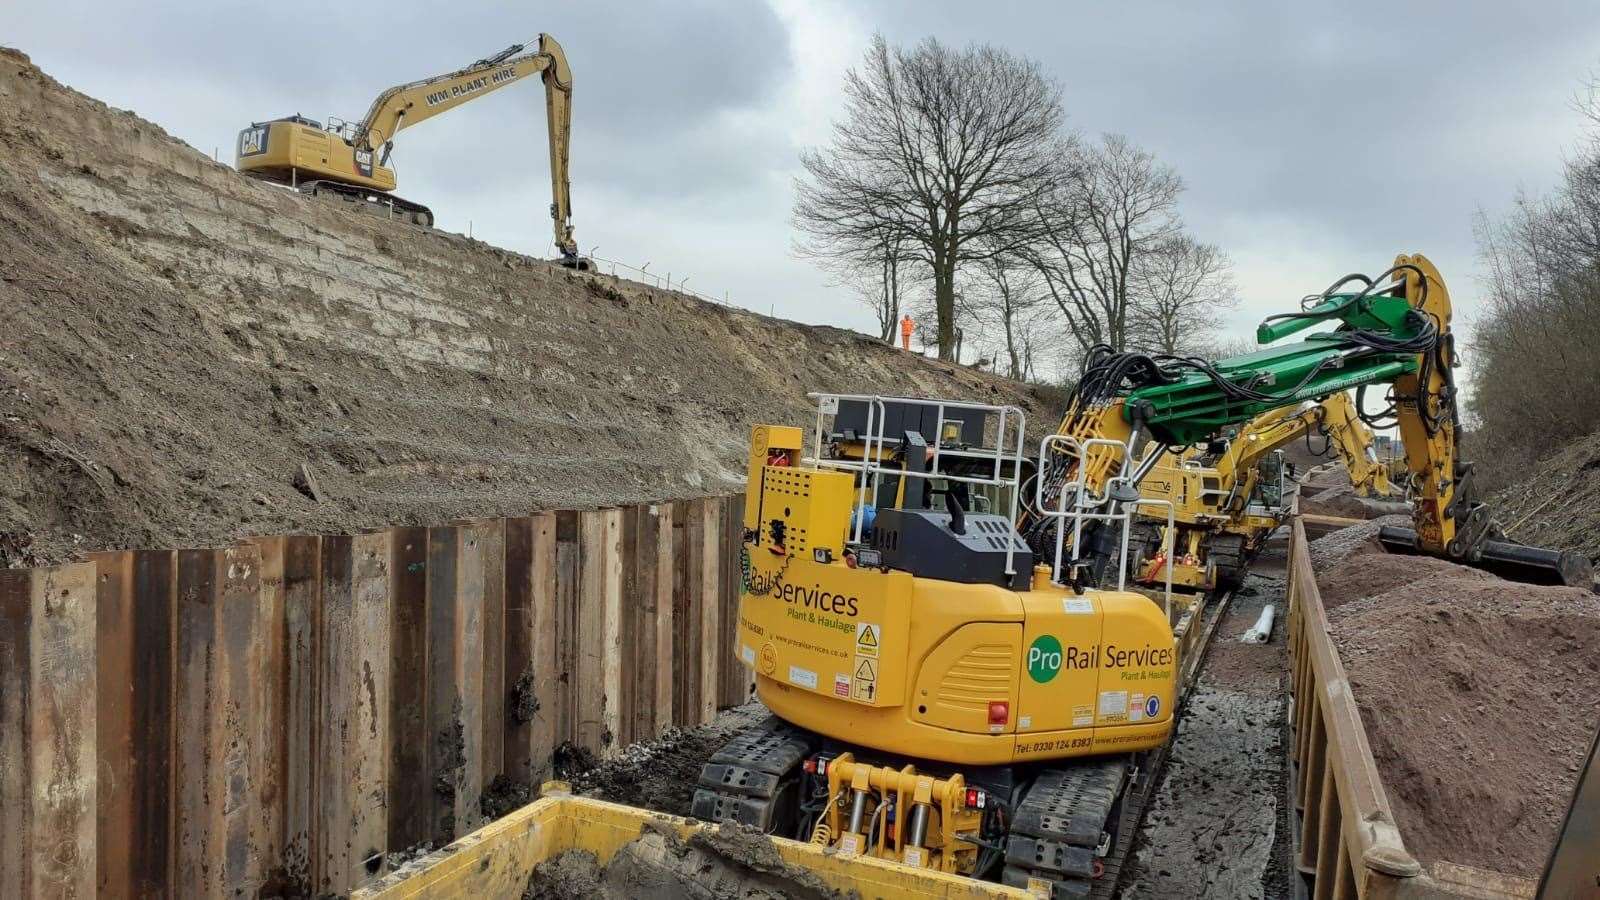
[
  {"x": 733, "y": 862},
  {"x": 1477, "y": 693},
  {"x": 177, "y": 341}
]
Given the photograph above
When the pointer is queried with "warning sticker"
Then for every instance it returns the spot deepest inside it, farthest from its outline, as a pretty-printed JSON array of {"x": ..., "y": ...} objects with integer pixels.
[
  {"x": 864, "y": 686},
  {"x": 914, "y": 856},
  {"x": 1136, "y": 708},
  {"x": 1082, "y": 715},
  {"x": 1077, "y": 606},
  {"x": 850, "y": 843},
  {"x": 1114, "y": 703},
  {"x": 867, "y": 639},
  {"x": 803, "y": 677},
  {"x": 841, "y": 685}
]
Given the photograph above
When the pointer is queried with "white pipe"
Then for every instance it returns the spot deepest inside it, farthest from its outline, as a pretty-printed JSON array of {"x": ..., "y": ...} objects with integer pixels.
[{"x": 1261, "y": 630}]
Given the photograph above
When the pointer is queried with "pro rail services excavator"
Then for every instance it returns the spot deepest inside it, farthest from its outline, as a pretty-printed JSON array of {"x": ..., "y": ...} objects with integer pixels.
[
  {"x": 1227, "y": 497},
  {"x": 944, "y": 700},
  {"x": 350, "y": 160}
]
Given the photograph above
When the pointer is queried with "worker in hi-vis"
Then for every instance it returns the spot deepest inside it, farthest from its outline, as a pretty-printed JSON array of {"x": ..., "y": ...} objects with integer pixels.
[{"x": 905, "y": 332}]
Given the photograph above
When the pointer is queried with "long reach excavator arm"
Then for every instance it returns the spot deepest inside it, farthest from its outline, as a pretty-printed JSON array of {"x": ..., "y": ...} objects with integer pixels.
[
  {"x": 351, "y": 160},
  {"x": 1390, "y": 330}
]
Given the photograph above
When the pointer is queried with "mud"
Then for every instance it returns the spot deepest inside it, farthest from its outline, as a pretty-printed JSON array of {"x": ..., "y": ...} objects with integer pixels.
[
  {"x": 178, "y": 341},
  {"x": 1341, "y": 500},
  {"x": 659, "y": 774},
  {"x": 1369, "y": 570},
  {"x": 1217, "y": 825},
  {"x": 722, "y": 864}
]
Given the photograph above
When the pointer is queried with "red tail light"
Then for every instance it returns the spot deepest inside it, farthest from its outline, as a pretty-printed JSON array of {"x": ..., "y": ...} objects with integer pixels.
[{"x": 999, "y": 712}]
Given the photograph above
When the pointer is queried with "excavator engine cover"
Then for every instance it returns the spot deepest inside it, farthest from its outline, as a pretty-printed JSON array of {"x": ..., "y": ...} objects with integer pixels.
[{"x": 928, "y": 545}]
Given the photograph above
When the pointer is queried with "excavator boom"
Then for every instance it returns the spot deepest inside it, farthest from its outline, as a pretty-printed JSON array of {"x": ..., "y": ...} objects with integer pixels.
[
  {"x": 1391, "y": 330},
  {"x": 353, "y": 160}
]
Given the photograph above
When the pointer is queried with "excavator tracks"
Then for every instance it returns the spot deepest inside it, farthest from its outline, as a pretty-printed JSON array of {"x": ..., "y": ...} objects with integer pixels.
[
  {"x": 370, "y": 202},
  {"x": 1059, "y": 830},
  {"x": 1069, "y": 836},
  {"x": 755, "y": 778}
]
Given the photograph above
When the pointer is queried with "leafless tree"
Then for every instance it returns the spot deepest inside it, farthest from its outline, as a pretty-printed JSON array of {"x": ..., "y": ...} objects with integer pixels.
[
  {"x": 877, "y": 268},
  {"x": 949, "y": 150},
  {"x": 1113, "y": 205},
  {"x": 1011, "y": 301},
  {"x": 1535, "y": 373},
  {"x": 1182, "y": 288}
]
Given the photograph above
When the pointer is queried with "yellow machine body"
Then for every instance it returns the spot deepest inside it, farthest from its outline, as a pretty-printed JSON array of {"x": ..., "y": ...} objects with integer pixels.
[
  {"x": 967, "y": 674},
  {"x": 289, "y": 151},
  {"x": 1216, "y": 499},
  {"x": 351, "y": 158}
]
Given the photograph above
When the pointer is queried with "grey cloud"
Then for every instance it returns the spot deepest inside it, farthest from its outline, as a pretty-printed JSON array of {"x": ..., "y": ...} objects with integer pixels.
[{"x": 1331, "y": 135}]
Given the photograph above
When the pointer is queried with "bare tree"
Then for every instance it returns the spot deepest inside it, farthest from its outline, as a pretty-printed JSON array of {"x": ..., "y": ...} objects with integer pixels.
[
  {"x": 949, "y": 150},
  {"x": 1113, "y": 205},
  {"x": 1010, "y": 295},
  {"x": 1182, "y": 288},
  {"x": 889, "y": 257}
]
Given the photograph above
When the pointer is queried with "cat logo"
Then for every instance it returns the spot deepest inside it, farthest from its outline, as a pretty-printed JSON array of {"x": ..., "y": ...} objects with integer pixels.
[{"x": 253, "y": 140}]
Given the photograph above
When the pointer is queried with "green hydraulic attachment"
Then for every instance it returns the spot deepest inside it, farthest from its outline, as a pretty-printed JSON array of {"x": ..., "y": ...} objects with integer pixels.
[
  {"x": 1194, "y": 407},
  {"x": 1392, "y": 330}
]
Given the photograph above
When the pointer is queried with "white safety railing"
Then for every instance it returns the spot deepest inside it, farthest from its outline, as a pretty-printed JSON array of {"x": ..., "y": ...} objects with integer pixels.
[
  {"x": 1004, "y": 458},
  {"x": 1119, "y": 503}
]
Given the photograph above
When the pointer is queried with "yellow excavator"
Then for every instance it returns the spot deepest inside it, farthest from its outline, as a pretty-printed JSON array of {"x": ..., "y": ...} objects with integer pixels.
[
  {"x": 350, "y": 160},
  {"x": 1226, "y": 496},
  {"x": 959, "y": 674}
]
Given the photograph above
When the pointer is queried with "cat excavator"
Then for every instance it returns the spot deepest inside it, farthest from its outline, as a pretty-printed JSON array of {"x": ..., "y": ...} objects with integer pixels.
[
  {"x": 350, "y": 160},
  {"x": 1227, "y": 495},
  {"x": 960, "y": 675}
]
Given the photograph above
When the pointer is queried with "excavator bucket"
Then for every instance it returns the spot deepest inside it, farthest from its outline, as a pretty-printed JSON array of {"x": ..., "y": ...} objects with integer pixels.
[{"x": 1517, "y": 562}]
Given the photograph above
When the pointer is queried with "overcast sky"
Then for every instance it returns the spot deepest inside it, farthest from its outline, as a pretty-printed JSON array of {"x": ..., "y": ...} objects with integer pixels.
[{"x": 1314, "y": 142}]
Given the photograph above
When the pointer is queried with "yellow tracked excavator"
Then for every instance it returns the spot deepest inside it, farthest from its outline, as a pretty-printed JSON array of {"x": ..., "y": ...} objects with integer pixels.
[
  {"x": 1227, "y": 496},
  {"x": 350, "y": 160},
  {"x": 961, "y": 675}
]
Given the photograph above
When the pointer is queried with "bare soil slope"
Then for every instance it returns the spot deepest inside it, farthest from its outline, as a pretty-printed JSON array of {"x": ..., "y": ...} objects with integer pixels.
[
  {"x": 1557, "y": 503},
  {"x": 177, "y": 340}
]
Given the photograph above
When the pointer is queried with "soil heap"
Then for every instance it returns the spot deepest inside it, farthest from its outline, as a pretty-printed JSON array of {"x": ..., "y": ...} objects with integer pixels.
[
  {"x": 733, "y": 862},
  {"x": 1477, "y": 695},
  {"x": 178, "y": 341}
]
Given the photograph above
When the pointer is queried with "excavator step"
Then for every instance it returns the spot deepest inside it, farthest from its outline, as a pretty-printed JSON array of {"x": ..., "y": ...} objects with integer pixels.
[
  {"x": 1060, "y": 827},
  {"x": 753, "y": 779}
]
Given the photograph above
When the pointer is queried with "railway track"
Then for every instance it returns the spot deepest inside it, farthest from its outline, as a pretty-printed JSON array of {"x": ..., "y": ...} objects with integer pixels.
[{"x": 1137, "y": 798}]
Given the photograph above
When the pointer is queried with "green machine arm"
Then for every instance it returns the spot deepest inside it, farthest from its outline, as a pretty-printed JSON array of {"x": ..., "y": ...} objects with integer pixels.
[{"x": 1392, "y": 330}]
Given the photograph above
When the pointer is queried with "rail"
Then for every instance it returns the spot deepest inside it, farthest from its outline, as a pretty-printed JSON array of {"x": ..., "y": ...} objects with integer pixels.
[{"x": 1347, "y": 842}]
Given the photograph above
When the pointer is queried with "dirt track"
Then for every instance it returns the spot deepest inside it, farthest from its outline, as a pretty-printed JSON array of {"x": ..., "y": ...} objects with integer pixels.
[{"x": 177, "y": 340}]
